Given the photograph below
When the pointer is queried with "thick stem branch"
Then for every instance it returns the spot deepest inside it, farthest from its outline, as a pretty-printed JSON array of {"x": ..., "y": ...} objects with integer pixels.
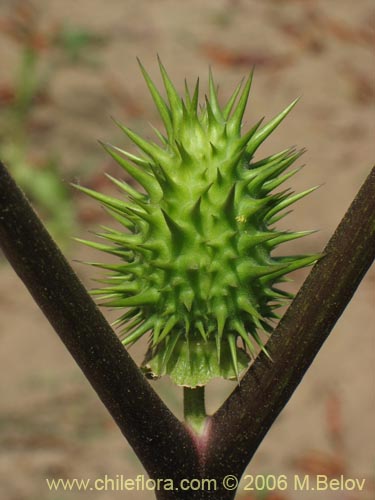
[
  {"x": 240, "y": 424},
  {"x": 161, "y": 442}
]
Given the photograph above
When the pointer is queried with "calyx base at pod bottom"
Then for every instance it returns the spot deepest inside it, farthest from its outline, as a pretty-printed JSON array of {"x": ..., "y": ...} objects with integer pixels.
[{"x": 196, "y": 271}]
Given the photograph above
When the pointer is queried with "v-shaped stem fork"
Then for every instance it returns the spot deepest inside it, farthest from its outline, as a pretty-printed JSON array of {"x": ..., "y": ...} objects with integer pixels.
[{"x": 166, "y": 447}]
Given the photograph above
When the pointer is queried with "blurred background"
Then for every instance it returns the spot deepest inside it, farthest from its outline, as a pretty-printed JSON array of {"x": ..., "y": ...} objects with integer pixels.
[{"x": 66, "y": 68}]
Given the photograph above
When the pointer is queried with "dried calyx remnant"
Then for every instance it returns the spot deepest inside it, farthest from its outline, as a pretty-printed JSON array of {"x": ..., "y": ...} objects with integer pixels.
[{"x": 196, "y": 272}]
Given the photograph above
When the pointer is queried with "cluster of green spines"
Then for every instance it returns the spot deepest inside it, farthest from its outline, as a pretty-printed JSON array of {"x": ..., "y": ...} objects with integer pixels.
[{"x": 197, "y": 272}]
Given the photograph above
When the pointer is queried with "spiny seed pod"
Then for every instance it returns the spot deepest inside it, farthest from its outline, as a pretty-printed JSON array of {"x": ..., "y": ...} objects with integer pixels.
[{"x": 196, "y": 270}]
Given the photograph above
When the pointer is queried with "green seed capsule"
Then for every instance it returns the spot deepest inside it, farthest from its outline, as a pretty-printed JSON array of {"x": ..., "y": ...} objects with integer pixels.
[{"x": 196, "y": 271}]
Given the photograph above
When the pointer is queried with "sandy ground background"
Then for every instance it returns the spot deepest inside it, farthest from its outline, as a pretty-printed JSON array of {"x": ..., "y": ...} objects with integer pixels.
[{"x": 51, "y": 422}]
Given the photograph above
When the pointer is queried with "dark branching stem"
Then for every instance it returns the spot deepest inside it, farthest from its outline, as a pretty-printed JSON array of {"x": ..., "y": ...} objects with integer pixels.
[
  {"x": 164, "y": 445},
  {"x": 161, "y": 442},
  {"x": 241, "y": 423}
]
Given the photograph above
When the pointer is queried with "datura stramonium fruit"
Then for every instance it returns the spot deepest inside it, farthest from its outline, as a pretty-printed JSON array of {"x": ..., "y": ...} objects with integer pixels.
[{"x": 197, "y": 272}]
